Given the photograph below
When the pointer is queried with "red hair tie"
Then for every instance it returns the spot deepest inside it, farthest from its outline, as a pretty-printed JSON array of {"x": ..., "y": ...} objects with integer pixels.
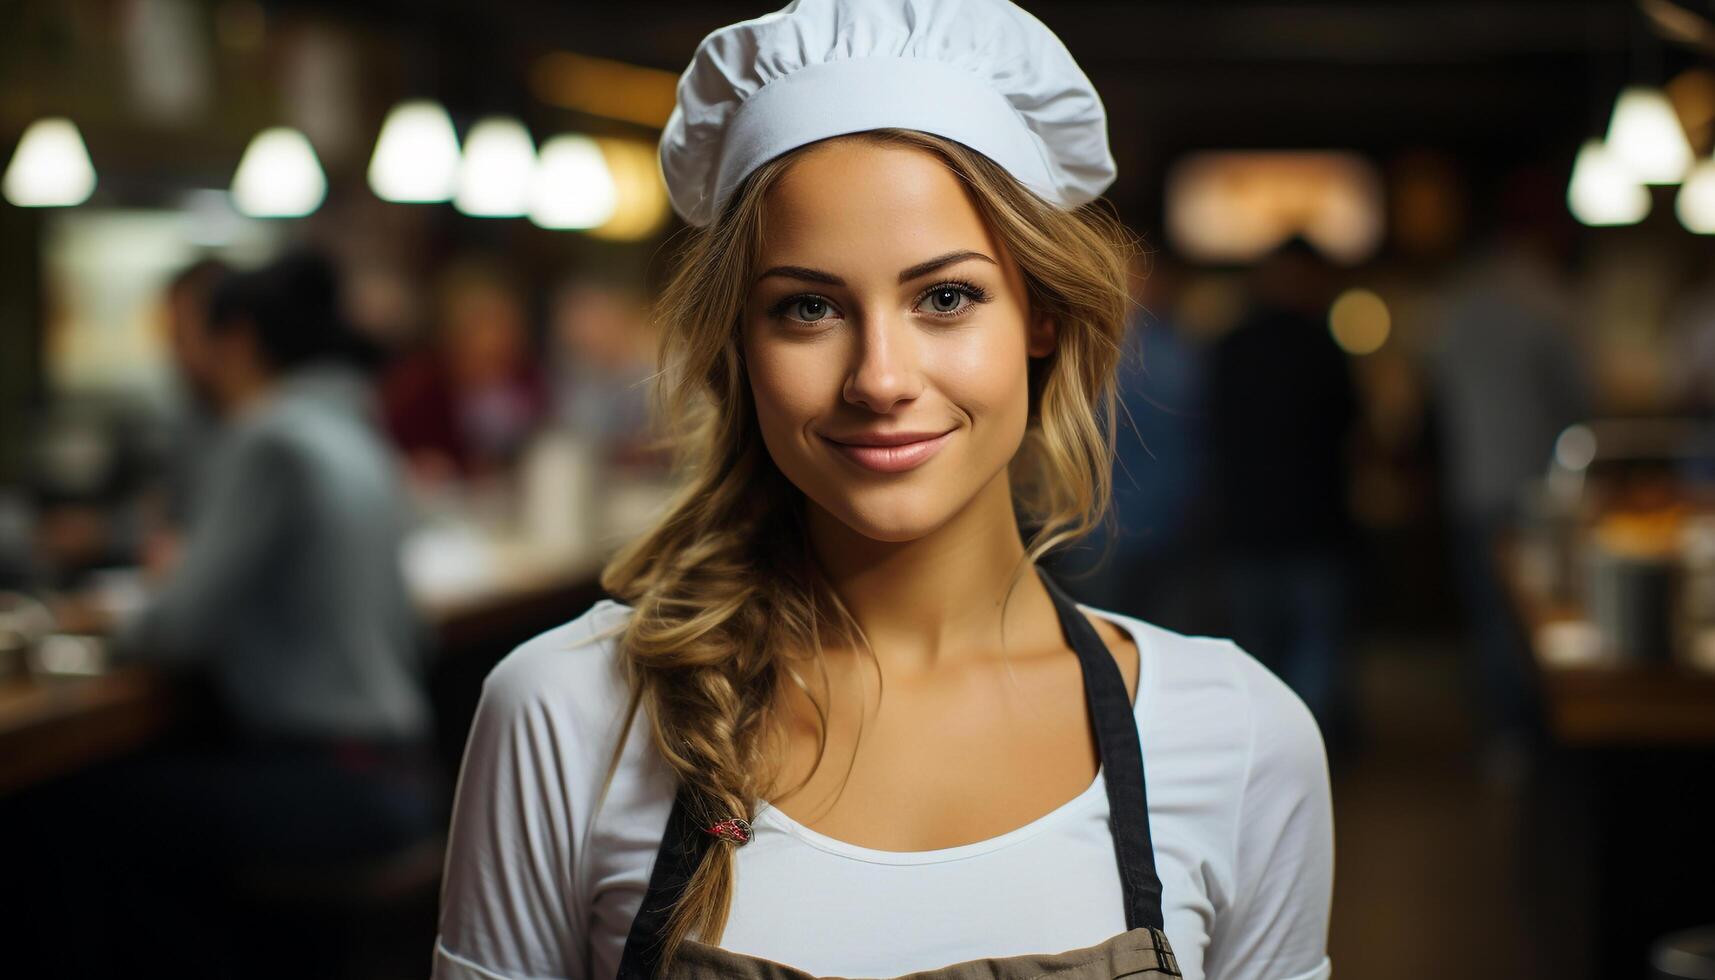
[{"x": 734, "y": 829}]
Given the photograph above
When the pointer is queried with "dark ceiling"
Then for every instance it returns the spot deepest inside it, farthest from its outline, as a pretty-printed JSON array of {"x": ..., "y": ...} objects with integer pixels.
[{"x": 1486, "y": 80}]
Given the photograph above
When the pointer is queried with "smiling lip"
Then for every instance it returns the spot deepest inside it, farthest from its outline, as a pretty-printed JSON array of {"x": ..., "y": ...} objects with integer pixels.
[{"x": 891, "y": 452}]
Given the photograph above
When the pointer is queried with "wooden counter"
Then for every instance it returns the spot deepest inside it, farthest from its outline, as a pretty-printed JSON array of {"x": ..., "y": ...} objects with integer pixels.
[
  {"x": 1610, "y": 702},
  {"x": 58, "y": 725}
]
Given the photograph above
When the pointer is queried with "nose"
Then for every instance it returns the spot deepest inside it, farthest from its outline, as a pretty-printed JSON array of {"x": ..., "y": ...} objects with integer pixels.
[{"x": 885, "y": 368}]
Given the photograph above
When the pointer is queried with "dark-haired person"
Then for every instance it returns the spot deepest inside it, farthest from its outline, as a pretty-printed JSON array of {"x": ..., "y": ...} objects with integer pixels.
[
  {"x": 289, "y": 586},
  {"x": 288, "y": 597}
]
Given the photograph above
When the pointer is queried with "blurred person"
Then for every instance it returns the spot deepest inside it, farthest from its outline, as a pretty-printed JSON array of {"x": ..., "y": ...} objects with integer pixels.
[
  {"x": 602, "y": 356},
  {"x": 1691, "y": 351},
  {"x": 836, "y": 715},
  {"x": 1281, "y": 411},
  {"x": 1153, "y": 570},
  {"x": 466, "y": 405},
  {"x": 109, "y": 490},
  {"x": 194, "y": 424},
  {"x": 1507, "y": 377},
  {"x": 289, "y": 601}
]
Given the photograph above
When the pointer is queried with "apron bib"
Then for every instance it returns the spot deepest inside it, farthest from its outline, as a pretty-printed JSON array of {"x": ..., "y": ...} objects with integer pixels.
[{"x": 1140, "y": 952}]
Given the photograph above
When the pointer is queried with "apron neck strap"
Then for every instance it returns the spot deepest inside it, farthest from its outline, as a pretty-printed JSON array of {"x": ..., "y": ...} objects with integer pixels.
[
  {"x": 683, "y": 844},
  {"x": 1121, "y": 751}
]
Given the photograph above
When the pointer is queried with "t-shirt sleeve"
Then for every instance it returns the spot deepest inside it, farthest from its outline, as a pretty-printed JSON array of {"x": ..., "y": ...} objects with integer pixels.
[
  {"x": 508, "y": 908},
  {"x": 1276, "y": 927}
]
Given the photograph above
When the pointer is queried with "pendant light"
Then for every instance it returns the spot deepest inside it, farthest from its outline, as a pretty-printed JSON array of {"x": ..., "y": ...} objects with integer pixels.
[
  {"x": 416, "y": 157},
  {"x": 1645, "y": 135},
  {"x": 50, "y": 168},
  {"x": 495, "y": 174},
  {"x": 1603, "y": 191},
  {"x": 1695, "y": 204},
  {"x": 572, "y": 186},
  {"x": 279, "y": 176}
]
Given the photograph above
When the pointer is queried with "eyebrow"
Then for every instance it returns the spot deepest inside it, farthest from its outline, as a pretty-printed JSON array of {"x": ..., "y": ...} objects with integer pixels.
[{"x": 905, "y": 276}]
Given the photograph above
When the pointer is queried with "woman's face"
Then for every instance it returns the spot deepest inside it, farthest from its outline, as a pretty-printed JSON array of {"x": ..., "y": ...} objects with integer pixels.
[{"x": 883, "y": 307}]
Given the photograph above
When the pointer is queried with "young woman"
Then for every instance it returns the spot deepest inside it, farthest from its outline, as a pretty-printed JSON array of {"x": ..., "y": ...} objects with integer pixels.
[{"x": 835, "y": 721}]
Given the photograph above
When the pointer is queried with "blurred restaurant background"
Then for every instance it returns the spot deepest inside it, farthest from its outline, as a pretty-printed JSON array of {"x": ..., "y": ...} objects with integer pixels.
[{"x": 1418, "y": 405}]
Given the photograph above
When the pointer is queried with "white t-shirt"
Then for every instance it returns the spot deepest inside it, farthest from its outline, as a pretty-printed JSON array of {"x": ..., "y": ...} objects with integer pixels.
[{"x": 540, "y": 883}]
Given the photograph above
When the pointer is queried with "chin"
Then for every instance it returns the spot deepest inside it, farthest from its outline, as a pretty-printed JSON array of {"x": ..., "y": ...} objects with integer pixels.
[{"x": 895, "y": 517}]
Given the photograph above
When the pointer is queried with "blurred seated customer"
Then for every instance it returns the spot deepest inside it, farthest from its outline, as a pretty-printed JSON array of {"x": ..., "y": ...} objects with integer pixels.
[
  {"x": 289, "y": 597},
  {"x": 466, "y": 405},
  {"x": 290, "y": 578},
  {"x": 194, "y": 424},
  {"x": 602, "y": 353},
  {"x": 1281, "y": 410},
  {"x": 108, "y": 482}
]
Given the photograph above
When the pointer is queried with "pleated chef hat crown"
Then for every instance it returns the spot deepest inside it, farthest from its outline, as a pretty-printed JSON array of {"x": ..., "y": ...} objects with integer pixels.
[{"x": 982, "y": 72}]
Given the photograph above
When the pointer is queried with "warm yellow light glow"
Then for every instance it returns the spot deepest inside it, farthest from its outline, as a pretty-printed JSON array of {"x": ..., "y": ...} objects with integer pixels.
[
  {"x": 416, "y": 157},
  {"x": 1645, "y": 135},
  {"x": 1695, "y": 204},
  {"x": 1602, "y": 191},
  {"x": 50, "y": 168},
  {"x": 603, "y": 87},
  {"x": 499, "y": 161},
  {"x": 640, "y": 205},
  {"x": 279, "y": 176},
  {"x": 1359, "y": 321},
  {"x": 1237, "y": 206},
  {"x": 572, "y": 187}
]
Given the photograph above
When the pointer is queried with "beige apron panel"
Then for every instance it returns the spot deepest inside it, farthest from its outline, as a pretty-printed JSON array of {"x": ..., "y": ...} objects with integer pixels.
[{"x": 1142, "y": 953}]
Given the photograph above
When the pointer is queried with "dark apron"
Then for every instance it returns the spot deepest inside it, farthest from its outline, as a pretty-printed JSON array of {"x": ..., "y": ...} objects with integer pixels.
[{"x": 1141, "y": 951}]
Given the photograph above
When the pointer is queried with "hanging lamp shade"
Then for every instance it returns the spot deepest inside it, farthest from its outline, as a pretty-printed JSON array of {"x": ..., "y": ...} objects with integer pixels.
[
  {"x": 51, "y": 167},
  {"x": 1645, "y": 135},
  {"x": 1603, "y": 191},
  {"x": 572, "y": 186},
  {"x": 495, "y": 174},
  {"x": 1695, "y": 203},
  {"x": 416, "y": 158},
  {"x": 279, "y": 176}
]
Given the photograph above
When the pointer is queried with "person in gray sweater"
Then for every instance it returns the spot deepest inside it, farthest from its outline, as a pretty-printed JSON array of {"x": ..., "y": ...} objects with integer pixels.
[
  {"x": 289, "y": 588},
  {"x": 287, "y": 601}
]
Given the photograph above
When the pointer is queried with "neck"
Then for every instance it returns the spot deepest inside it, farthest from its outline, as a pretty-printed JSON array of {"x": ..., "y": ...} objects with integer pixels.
[
  {"x": 938, "y": 599},
  {"x": 244, "y": 392}
]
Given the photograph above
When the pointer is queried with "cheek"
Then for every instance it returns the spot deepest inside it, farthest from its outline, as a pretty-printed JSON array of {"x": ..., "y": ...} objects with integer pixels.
[
  {"x": 988, "y": 378},
  {"x": 787, "y": 385}
]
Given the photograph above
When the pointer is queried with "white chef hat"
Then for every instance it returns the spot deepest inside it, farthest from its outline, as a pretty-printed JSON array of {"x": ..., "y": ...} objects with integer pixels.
[{"x": 982, "y": 72}]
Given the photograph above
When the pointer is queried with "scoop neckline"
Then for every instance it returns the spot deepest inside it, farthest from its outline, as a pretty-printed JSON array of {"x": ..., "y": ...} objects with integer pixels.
[{"x": 769, "y": 814}]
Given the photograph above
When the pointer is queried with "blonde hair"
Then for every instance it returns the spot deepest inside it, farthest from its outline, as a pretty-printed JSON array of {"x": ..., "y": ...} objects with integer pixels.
[{"x": 727, "y": 602}]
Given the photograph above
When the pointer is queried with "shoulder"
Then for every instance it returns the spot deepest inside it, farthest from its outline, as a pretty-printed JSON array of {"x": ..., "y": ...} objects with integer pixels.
[
  {"x": 561, "y": 691},
  {"x": 1239, "y": 791},
  {"x": 1209, "y": 706},
  {"x": 574, "y": 665},
  {"x": 549, "y": 716}
]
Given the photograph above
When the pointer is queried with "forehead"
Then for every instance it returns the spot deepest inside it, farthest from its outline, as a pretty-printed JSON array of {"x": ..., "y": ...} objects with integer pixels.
[{"x": 850, "y": 204}]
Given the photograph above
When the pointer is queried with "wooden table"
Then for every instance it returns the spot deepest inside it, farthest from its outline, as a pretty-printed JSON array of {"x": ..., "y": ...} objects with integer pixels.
[
  {"x": 54, "y": 726},
  {"x": 1611, "y": 702},
  {"x": 59, "y": 725}
]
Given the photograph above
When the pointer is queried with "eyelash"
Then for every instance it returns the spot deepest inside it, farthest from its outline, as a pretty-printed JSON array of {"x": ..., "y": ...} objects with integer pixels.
[{"x": 975, "y": 293}]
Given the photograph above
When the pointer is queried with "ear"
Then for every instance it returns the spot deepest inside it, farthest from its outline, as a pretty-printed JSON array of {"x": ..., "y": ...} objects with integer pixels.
[{"x": 1041, "y": 339}]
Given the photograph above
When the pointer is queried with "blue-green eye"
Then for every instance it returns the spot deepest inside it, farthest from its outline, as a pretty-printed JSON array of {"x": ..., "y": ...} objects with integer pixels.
[
  {"x": 815, "y": 307},
  {"x": 945, "y": 300},
  {"x": 951, "y": 299}
]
